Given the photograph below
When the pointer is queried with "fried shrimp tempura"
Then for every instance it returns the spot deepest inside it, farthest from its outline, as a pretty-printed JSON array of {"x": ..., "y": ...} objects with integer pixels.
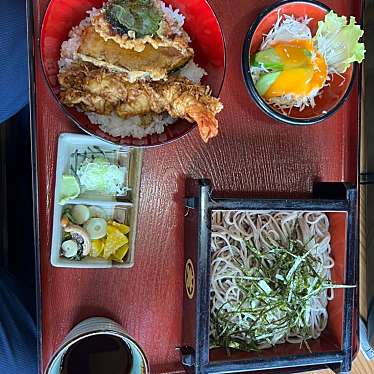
[{"x": 103, "y": 92}]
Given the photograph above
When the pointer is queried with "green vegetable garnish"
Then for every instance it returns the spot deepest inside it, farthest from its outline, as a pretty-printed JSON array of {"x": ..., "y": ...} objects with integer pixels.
[
  {"x": 69, "y": 189},
  {"x": 337, "y": 40},
  {"x": 140, "y": 16},
  {"x": 276, "y": 296},
  {"x": 265, "y": 82},
  {"x": 268, "y": 59}
]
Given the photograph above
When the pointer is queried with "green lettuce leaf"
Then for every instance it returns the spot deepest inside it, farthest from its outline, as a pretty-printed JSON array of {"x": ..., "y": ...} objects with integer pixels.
[{"x": 337, "y": 41}]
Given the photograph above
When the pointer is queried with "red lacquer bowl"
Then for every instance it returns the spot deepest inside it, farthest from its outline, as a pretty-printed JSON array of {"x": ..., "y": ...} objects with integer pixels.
[
  {"x": 200, "y": 23},
  {"x": 332, "y": 97}
]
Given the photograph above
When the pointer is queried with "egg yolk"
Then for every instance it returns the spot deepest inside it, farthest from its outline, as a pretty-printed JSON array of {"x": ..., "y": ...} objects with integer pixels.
[{"x": 304, "y": 71}]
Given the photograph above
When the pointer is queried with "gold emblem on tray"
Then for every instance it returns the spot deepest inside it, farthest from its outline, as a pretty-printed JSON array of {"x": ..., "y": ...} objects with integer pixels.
[{"x": 189, "y": 279}]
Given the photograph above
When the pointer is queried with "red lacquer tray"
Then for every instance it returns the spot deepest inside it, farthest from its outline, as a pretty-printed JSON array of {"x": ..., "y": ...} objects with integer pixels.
[{"x": 252, "y": 154}]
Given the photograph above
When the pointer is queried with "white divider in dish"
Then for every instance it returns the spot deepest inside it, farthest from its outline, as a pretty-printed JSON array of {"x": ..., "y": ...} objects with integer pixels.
[{"x": 79, "y": 201}]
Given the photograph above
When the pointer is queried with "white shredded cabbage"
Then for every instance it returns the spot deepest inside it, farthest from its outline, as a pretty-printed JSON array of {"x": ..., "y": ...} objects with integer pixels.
[
  {"x": 102, "y": 176},
  {"x": 287, "y": 28},
  {"x": 287, "y": 102}
]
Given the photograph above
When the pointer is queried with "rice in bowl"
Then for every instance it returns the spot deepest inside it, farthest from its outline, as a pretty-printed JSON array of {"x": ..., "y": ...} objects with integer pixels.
[{"x": 137, "y": 126}]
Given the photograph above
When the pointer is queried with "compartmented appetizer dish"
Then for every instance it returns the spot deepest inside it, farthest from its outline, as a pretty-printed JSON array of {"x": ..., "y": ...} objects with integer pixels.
[
  {"x": 96, "y": 203},
  {"x": 293, "y": 67},
  {"x": 129, "y": 67}
]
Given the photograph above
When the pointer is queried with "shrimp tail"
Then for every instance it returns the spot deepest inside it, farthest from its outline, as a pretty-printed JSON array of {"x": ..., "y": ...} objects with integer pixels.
[{"x": 206, "y": 121}]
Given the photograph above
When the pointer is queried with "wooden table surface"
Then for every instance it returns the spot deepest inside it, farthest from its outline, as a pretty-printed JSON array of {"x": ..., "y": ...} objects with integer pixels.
[{"x": 251, "y": 154}]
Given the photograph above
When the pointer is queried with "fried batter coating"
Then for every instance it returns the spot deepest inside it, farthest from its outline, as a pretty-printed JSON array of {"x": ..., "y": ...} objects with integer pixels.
[
  {"x": 103, "y": 92},
  {"x": 165, "y": 37},
  {"x": 153, "y": 62}
]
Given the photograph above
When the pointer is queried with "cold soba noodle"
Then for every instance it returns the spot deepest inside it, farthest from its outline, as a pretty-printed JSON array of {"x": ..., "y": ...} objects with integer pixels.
[{"x": 270, "y": 278}]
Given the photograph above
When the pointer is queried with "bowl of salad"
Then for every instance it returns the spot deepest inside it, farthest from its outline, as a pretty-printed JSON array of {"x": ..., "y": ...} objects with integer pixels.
[{"x": 299, "y": 61}]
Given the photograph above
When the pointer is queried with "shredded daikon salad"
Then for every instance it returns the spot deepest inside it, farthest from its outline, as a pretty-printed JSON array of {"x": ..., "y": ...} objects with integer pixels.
[
  {"x": 99, "y": 171},
  {"x": 270, "y": 278},
  {"x": 99, "y": 175}
]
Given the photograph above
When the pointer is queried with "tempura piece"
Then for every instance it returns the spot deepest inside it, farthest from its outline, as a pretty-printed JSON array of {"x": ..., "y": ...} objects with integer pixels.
[
  {"x": 104, "y": 92},
  {"x": 149, "y": 63},
  {"x": 169, "y": 35},
  {"x": 122, "y": 66}
]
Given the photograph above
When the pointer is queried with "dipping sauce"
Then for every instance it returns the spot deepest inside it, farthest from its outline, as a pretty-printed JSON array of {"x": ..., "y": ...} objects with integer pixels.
[{"x": 98, "y": 354}]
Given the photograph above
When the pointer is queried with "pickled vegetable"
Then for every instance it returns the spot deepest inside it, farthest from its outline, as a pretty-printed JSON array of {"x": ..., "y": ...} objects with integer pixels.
[
  {"x": 97, "y": 212},
  {"x": 80, "y": 214},
  {"x": 96, "y": 228}
]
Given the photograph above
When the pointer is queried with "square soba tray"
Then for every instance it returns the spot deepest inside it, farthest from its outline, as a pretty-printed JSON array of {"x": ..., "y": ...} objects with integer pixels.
[{"x": 337, "y": 344}]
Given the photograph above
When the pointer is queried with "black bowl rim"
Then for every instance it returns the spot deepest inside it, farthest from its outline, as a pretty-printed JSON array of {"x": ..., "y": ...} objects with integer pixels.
[
  {"x": 260, "y": 102},
  {"x": 125, "y": 145}
]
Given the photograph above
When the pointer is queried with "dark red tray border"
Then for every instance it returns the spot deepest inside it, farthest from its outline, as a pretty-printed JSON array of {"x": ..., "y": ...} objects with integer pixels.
[{"x": 32, "y": 50}]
